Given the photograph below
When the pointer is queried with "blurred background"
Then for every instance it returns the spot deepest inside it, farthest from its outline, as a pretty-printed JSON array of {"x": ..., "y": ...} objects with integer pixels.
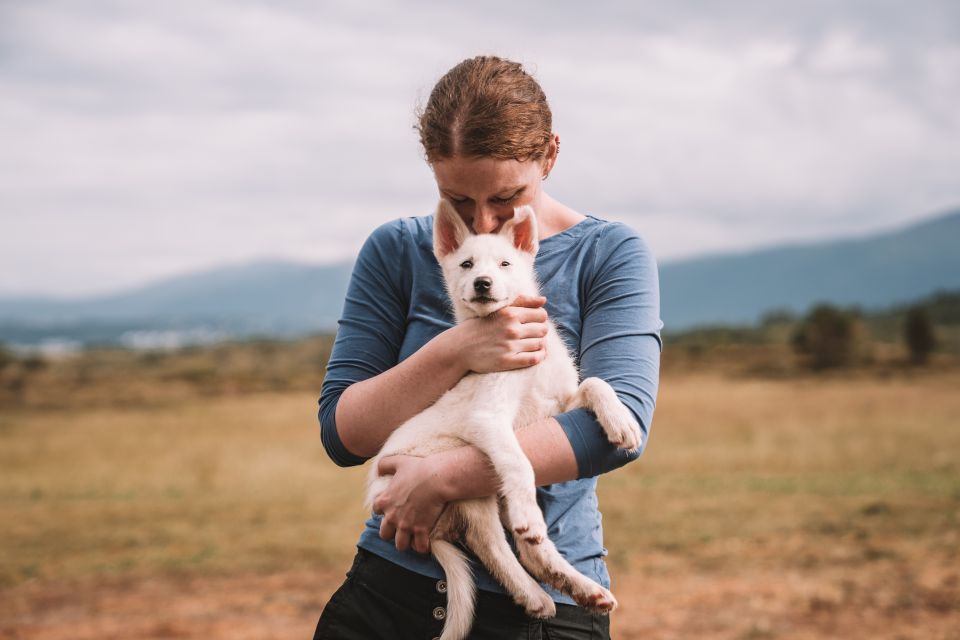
[{"x": 183, "y": 187}]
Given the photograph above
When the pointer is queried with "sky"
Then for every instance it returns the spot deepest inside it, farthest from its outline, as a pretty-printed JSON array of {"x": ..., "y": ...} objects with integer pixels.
[{"x": 140, "y": 140}]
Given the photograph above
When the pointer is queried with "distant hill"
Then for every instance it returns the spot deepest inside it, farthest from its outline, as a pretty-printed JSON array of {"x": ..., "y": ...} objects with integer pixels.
[
  {"x": 272, "y": 298},
  {"x": 288, "y": 299},
  {"x": 872, "y": 272}
]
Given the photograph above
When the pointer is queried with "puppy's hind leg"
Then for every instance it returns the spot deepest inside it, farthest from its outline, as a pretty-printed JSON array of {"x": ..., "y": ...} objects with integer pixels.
[
  {"x": 617, "y": 421},
  {"x": 545, "y": 562},
  {"x": 518, "y": 484},
  {"x": 484, "y": 536}
]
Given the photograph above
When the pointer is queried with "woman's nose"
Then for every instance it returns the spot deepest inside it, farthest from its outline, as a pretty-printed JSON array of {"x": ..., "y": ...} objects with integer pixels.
[{"x": 485, "y": 221}]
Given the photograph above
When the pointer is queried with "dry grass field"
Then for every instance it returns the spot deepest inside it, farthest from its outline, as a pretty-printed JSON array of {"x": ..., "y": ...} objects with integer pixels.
[{"x": 801, "y": 507}]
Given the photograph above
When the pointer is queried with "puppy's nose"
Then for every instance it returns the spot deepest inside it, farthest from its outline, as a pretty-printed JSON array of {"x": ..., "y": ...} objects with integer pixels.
[{"x": 482, "y": 285}]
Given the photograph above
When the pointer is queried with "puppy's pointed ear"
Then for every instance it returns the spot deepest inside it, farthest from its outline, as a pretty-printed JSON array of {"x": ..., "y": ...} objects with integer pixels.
[
  {"x": 522, "y": 231},
  {"x": 449, "y": 230}
]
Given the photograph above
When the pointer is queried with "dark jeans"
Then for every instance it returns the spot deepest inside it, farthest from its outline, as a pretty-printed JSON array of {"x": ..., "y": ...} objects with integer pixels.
[{"x": 381, "y": 600}]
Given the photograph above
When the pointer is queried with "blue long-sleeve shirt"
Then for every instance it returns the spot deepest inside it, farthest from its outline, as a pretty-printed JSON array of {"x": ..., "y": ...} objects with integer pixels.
[{"x": 600, "y": 281}]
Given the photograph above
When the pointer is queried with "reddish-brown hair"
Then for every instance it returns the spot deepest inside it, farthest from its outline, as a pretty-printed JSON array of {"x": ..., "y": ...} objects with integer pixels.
[{"x": 486, "y": 106}]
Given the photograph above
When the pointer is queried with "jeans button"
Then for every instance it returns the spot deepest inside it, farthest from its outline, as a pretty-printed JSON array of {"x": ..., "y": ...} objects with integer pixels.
[
  {"x": 439, "y": 613},
  {"x": 442, "y": 586}
]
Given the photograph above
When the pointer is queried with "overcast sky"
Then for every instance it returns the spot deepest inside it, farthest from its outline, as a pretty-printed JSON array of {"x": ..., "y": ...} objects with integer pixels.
[{"x": 145, "y": 139}]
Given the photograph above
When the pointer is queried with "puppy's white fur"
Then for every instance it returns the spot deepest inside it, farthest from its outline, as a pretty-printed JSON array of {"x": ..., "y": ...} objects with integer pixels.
[{"x": 483, "y": 410}]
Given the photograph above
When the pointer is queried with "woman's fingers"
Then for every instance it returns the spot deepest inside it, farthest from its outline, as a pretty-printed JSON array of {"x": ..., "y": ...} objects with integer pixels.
[
  {"x": 410, "y": 505},
  {"x": 529, "y": 344},
  {"x": 532, "y": 302},
  {"x": 529, "y": 353},
  {"x": 387, "y": 530},
  {"x": 523, "y": 315},
  {"x": 526, "y": 359},
  {"x": 536, "y": 330},
  {"x": 387, "y": 466},
  {"x": 421, "y": 540},
  {"x": 402, "y": 539}
]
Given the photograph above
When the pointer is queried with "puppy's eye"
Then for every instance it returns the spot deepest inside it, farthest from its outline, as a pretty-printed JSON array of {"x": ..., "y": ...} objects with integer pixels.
[
  {"x": 466, "y": 264},
  {"x": 504, "y": 264}
]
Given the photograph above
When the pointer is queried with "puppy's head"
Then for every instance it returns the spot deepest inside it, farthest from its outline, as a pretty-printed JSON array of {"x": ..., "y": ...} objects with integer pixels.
[{"x": 486, "y": 272}]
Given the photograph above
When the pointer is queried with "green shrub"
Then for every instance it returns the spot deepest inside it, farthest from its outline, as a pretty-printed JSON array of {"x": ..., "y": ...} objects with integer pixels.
[
  {"x": 918, "y": 334},
  {"x": 827, "y": 338}
]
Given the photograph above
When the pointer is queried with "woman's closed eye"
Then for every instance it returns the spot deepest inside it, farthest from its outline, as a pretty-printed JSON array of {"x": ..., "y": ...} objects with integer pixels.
[{"x": 506, "y": 199}]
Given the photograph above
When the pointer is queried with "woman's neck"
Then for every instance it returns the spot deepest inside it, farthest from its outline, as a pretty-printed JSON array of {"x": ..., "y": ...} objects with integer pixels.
[{"x": 554, "y": 217}]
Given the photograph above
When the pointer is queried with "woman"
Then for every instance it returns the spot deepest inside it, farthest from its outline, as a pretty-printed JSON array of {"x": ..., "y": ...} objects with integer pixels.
[{"x": 487, "y": 134}]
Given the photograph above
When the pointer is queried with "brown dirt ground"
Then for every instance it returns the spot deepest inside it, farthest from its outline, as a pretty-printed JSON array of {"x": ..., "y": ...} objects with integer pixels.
[{"x": 659, "y": 601}]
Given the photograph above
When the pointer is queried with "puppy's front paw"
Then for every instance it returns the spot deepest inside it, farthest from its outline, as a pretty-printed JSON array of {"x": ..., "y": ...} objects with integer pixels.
[{"x": 624, "y": 432}]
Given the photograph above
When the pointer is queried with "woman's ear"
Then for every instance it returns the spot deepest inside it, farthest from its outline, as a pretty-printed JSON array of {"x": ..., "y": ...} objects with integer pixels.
[
  {"x": 449, "y": 230},
  {"x": 550, "y": 157},
  {"x": 522, "y": 231}
]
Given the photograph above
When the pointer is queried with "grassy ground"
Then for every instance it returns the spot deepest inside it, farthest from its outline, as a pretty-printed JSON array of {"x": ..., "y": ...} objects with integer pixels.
[{"x": 794, "y": 508}]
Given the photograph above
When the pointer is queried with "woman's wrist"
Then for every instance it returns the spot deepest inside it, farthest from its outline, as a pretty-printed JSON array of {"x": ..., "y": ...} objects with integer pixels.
[
  {"x": 448, "y": 344},
  {"x": 464, "y": 473}
]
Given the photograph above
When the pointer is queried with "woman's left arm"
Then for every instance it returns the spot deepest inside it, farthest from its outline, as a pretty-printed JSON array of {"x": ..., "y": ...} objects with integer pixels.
[{"x": 619, "y": 343}]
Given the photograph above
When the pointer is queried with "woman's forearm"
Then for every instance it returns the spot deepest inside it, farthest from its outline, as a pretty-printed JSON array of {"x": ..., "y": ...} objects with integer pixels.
[
  {"x": 370, "y": 410},
  {"x": 466, "y": 472}
]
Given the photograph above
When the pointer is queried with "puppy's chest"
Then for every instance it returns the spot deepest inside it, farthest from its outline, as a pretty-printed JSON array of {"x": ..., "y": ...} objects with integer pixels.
[
  {"x": 547, "y": 392},
  {"x": 524, "y": 395}
]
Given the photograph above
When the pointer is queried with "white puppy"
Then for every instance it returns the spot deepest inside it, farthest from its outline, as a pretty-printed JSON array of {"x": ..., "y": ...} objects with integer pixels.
[{"x": 484, "y": 273}]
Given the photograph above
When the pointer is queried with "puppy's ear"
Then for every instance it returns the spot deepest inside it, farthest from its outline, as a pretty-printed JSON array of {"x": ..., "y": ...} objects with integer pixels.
[
  {"x": 522, "y": 231},
  {"x": 449, "y": 230}
]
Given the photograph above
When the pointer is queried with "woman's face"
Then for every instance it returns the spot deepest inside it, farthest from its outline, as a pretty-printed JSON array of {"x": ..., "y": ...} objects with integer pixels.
[{"x": 484, "y": 191}]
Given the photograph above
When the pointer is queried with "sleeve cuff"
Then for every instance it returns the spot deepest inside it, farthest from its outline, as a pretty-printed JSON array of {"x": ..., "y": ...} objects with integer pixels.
[
  {"x": 594, "y": 453},
  {"x": 332, "y": 443}
]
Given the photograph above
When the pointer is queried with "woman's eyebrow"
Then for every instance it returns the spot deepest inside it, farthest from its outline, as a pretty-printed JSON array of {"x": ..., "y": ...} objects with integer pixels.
[
  {"x": 509, "y": 191},
  {"x": 512, "y": 191}
]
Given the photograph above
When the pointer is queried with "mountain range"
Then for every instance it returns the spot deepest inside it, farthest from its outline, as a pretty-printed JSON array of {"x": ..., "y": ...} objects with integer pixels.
[
  {"x": 285, "y": 299},
  {"x": 874, "y": 271}
]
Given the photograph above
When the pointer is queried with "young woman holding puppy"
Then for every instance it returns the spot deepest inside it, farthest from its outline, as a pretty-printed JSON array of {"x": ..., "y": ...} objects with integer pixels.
[{"x": 487, "y": 134}]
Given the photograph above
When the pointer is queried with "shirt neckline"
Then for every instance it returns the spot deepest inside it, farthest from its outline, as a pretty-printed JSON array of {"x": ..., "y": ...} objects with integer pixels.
[{"x": 573, "y": 231}]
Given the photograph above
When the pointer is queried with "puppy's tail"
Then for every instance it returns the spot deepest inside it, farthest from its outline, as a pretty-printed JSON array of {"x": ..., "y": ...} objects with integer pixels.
[{"x": 461, "y": 593}]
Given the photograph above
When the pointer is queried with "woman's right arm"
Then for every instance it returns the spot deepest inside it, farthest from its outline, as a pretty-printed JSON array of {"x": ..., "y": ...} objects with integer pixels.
[{"x": 366, "y": 392}]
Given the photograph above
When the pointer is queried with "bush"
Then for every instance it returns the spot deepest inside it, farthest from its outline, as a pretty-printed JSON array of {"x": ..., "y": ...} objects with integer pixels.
[
  {"x": 6, "y": 357},
  {"x": 918, "y": 334},
  {"x": 827, "y": 338}
]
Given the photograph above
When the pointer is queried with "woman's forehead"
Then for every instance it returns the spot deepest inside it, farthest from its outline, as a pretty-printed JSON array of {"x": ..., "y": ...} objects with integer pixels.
[{"x": 483, "y": 175}]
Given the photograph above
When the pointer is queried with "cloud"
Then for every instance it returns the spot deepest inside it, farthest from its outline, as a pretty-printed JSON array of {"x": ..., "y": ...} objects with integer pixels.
[{"x": 147, "y": 139}]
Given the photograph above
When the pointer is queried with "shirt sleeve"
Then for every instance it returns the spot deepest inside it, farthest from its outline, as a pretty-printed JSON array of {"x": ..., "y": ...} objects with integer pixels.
[
  {"x": 619, "y": 343},
  {"x": 370, "y": 333}
]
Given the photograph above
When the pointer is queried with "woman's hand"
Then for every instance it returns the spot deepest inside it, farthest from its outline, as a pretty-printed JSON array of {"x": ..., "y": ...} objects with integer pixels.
[
  {"x": 411, "y": 503},
  {"x": 511, "y": 338}
]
